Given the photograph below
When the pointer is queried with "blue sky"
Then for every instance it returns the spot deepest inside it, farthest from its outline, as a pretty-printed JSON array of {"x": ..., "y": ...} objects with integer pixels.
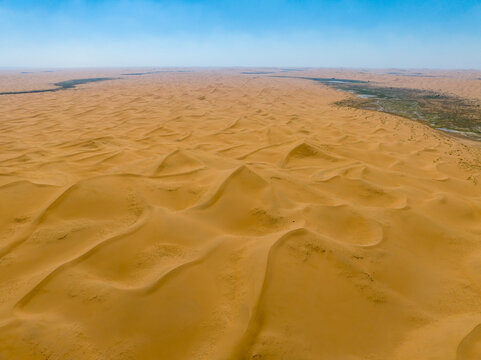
[{"x": 347, "y": 33}]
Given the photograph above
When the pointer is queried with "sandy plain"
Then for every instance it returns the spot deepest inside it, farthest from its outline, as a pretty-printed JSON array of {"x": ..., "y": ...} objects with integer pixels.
[{"x": 219, "y": 215}]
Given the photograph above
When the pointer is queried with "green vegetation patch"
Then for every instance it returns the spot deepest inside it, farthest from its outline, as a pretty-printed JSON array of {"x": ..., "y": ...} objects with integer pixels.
[{"x": 444, "y": 112}]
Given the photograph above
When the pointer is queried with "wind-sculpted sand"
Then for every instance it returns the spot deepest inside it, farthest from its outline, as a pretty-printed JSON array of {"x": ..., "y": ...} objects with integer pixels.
[{"x": 229, "y": 215}]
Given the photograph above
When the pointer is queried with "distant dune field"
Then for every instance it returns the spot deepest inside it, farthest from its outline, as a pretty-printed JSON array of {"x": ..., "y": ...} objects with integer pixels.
[{"x": 229, "y": 214}]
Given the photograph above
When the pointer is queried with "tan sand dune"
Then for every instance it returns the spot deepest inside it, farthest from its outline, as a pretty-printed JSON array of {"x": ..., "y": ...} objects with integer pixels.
[{"x": 220, "y": 215}]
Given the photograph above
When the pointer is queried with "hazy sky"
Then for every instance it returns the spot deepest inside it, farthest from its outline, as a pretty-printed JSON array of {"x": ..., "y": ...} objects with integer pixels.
[{"x": 350, "y": 33}]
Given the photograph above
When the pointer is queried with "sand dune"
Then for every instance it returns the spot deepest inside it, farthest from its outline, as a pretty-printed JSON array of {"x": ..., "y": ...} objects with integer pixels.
[{"x": 222, "y": 215}]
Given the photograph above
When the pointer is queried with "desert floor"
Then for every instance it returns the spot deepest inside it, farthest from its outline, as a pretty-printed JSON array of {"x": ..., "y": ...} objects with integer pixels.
[{"x": 218, "y": 215}]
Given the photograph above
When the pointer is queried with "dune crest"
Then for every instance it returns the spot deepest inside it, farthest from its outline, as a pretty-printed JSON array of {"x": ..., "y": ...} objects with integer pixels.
[{"x": 233, "y": 215}]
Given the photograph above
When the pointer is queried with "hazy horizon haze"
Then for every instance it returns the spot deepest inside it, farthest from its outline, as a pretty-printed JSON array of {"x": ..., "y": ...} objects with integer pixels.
[{"x": 277, "y": 33}]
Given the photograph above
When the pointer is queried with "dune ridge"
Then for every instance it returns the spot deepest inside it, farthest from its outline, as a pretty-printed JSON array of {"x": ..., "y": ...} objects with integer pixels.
[{"x": 225, "y": 215}]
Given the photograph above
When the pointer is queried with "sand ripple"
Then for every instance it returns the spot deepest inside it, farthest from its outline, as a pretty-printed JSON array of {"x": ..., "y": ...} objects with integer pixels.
[{"x": 218, "y": 216}]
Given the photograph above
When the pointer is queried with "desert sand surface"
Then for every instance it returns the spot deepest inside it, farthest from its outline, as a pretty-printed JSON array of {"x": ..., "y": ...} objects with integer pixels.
[{"x": 218, "y": 215}]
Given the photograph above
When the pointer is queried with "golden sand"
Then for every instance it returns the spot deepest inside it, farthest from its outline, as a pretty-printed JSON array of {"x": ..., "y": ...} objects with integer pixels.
[{"x": 216, "y": 215}]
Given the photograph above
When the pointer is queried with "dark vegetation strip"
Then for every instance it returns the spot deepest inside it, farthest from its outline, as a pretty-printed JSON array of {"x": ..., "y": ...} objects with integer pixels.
[
  {"x": 70, "y": 84},
  {"x": 448, "y": 113},
  {"x": 411, "y": 74},
  {"x": 62, "y": 85}
]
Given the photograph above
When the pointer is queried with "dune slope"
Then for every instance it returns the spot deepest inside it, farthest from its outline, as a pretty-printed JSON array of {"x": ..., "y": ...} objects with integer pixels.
[{"x": 215, "y": 215}]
